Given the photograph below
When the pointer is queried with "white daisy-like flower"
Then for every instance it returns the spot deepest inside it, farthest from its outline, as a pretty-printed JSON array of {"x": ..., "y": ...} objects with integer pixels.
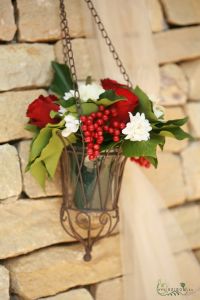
[
  {"x": 138, "y": 128},
  {"x": 62, "y": 111},
  {"x": 90, "y": 91},
  {"x": 158, "y": 110},
  {"x": 68, "y": 95},
  {"x": 71, "y": 125}
]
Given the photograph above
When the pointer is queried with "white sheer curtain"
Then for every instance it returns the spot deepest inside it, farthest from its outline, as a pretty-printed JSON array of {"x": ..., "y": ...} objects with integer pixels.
[{"x": 154, "y": 248}]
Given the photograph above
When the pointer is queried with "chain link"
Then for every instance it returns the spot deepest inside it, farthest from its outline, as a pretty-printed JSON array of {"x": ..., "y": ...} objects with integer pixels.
[
  {"x": 68, "y": 53},
  {"x": 109, "y": 43}
]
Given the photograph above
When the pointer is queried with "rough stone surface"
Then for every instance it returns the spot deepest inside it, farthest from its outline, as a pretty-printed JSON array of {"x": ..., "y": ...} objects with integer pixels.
[
  {"x": 86, "y": 63},
  {"x": 10, "y": 174},
  {"x": 192, "y": 71},
  {"x": 191, "y": 164},
  {"x": 111, "y": 289},
  {"x": 58, "y": 268},
  {"x": 168, "y": 178},
  {"x": 193, "y": 111},
  {"x": 44, "y": 24},
  {"x": 173, "y": 145},
  {"x": 4, "y": 283},
  {"x": 13, "y": 114},
  {"x": 182, "y": 12},
  {"x": 177, "y": 44},
  {"x": 30, "y": 186},
  {"x": 78, "y": 294},
  {"x": 25, "y": 65},
  {"x": 7, "y": 21},
  {"x": 174, "y": 85},
  {"x": 27, "y": 225},
  {"x": 156, "y": 16},
  {"x": 188, "y": 218}
]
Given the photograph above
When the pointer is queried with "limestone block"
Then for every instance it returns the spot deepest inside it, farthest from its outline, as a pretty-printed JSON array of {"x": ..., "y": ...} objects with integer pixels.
[
  {"x": 78, "y": 294},
  {"x": 168, "y": 178},
  {"x": 173, "y": 145},
  {"x": 193, "y": 111},
  {"x": 4, "y": 283},
  {"x": 7, "y": 21},
  {"x": 111, "y": 289},
  {"x": 30, "y": 185},
  {"x": 174, "y": 85},
  {"x": 191, "y": 164},
  {"x": 177, "y": 44},
  {"x": 192, "y": 71},
  {"x": 13, "y": 113},
  {"x": 25, "y": 65},
  {"x": 44, "y": 24},
  {"x": 156, "y": 16},
  {"x": 27, "y": 225},
  {"x": 188, "y": 217},
  {"x": 56, "y": 269},
  {"x": 10, "y": 174},
  {"x": 182, "y": 12},
  {"x": 87, "y": 64}
]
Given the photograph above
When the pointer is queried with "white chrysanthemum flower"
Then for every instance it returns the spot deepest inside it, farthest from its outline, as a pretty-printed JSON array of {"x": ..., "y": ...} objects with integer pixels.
[
  {"x": 158, "y": 110},
  {"x": 90, "y": 91},
  {"x": 138, "y": 128},
  {"x": 62, "y": 111},
  {"x": 71, "y": 125},
  {"x": 68, "y": 95}
]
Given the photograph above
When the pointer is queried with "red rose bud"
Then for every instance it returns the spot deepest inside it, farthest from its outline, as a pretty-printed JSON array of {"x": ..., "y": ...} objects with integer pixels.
[
  {"x": 39, "y": 111},
  {"x": 122, "y": 107}
]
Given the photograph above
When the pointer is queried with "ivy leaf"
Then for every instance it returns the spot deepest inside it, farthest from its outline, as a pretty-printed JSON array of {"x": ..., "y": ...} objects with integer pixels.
[
  {"x": 175, "y": 132},
  {"x": 39, "y": 143},
  {"x": 62, "y": 81},
  {"x": 143, "y": 148},
  {"x": 107, "y": 102},
  {"x": 38, "y": 171},
  {"x": 67, "y": 103},
  {"x": 176, "y": 122},
  {"x": 87, "y": 108},
  {"x": 111, "y": 95},
  {"x": 32, "y": 128},
  {"x": 145, "y": 105}
]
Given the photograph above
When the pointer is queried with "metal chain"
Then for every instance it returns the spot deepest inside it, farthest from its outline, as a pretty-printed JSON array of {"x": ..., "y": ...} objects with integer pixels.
[
  {"x": 108, "y": 41},
  {"x": 68, "y": 52}
]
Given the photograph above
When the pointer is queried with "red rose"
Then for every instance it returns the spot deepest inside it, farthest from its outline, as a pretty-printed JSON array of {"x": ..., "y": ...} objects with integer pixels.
[
  {"x": 125, "y": 106},
  {"x": 39, "y": 111}
]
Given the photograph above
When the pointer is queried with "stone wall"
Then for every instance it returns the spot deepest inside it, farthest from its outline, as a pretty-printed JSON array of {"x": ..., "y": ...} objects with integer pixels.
[{"x": 34, "y": 250}]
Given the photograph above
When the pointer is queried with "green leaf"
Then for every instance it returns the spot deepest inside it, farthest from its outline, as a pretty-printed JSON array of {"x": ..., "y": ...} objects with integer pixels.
[
  {"x": 111, "y": 95},
  {"x": 176, "y": 122},
  {"x": 38, "y": 171},
  {"x": 53, "y": 114},
  {"x": 67, "y": 103},
  {"x": 39, "y": 143},
  {"x": 145, "y": 105},
  {"x": 143, "y": 148},
  {"x": 152, "y": 160},
  {"x": 32, "y": 128},
  {"x": 107, "y": 102},
  {"x": 87, "y": 108},
  {"x": 62, "y": 81},
  {"x": 175, "y": 132}
]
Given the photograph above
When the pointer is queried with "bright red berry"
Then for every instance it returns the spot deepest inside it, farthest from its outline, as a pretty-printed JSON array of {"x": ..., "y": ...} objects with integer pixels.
[
  {"x": 91, "y": 157},
  {"x": 84, "y": 127},
  {"x": 99, "y": 114},
  {"x": 111, "y": 130},
  {"x": 105, "y": 127},
  {"x": 116, "y": 124},
  {"x": 90, "y": 145},
  {"x": 116, "y": 132},
  {"x": 96, "y": 153},
  {"x": 106, "y": 112},
  {"x": 87, "y": 133},
  {"x": 96, "y": 126},
  {"x": 96, "y": 147},
  {"x": 91, "y": 127},
  {"x": 88, "y": 139},
  {"x": 105, "y": 117},
  {"x": 100, "y": 122},
  {"x": 122, "y": 125},
  {"x": 101, "y": 108},
  {"x": 100, "y": 133},
  {"x": 116, "y": 138},
  {"x": 89, "y": 151},
  {"x": 83, "y": 118},
  {"x": 93, "y": 115},
  {"x": 89, "y": 122}
]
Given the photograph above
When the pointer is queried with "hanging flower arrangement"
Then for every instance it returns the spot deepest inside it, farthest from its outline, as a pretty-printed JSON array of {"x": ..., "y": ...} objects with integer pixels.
[{"x": 112, "y": 116}]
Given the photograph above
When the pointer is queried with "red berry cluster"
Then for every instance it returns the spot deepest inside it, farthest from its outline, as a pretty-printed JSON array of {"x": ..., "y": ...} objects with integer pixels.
[
  {"x": 143, "y": 162},
  {"x": 95, "y": 125}
]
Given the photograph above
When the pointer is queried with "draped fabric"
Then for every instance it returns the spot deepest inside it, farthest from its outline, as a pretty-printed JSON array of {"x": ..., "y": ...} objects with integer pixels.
[{"x": 156, "y": 255}]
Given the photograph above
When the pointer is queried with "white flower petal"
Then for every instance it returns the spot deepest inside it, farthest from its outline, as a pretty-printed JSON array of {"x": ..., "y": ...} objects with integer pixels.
[{"x": 138, "y": 128}]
